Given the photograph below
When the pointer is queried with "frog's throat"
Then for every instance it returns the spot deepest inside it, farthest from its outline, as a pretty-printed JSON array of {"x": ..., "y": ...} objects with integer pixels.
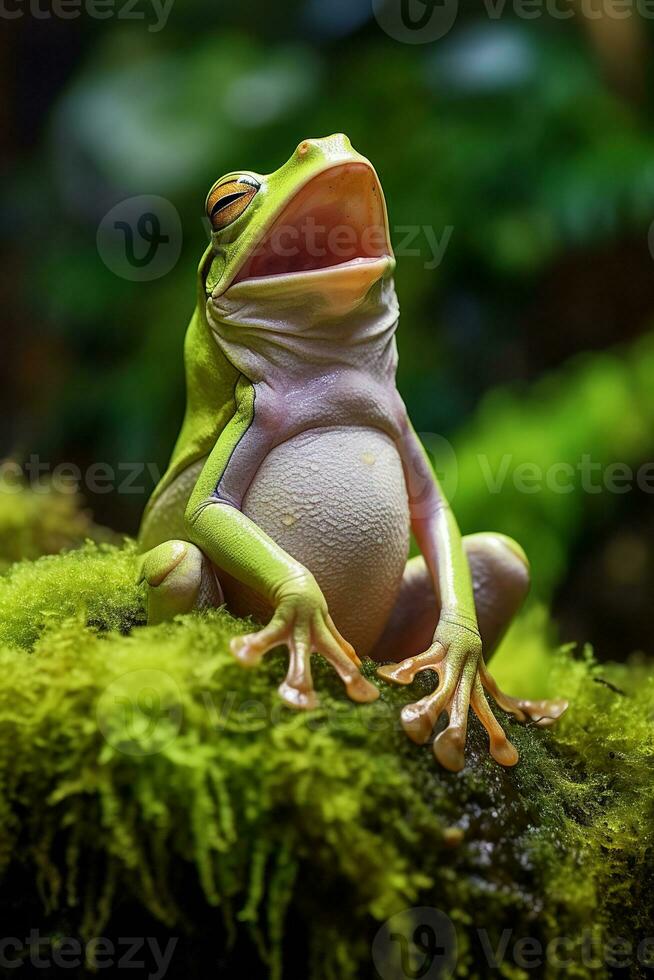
[{"x": 305, "y": 335}]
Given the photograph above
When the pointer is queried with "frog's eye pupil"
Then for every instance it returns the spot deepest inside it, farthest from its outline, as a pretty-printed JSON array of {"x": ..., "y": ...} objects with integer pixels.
[
  {"x": 228, "y": 200},
  {"x": 225, "y": 202}
]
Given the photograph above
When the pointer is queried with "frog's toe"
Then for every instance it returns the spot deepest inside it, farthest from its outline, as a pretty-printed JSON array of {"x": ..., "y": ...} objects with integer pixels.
[
  {"x": 460, "y": 688},
  {"x": 449, "y": 748},
  {"x": 295, "y": 698},
  {"x": 547, "y": 711},
  {"x": 341, "y": 656},
  {"x": 361, "y": 690},
  {"x": 345, "y": 646},
  {"x": 297, "y": 689},
  {"x": 406, "y": 671},
  {"x": 251, "y": 647},
  {"x": 418, "y": 719},
  {"x": 501, "y": 749},
  {"x": 458, "y": 691},
  {"x": 541, "y": 713},
  {"x": 449, "y": 745}
]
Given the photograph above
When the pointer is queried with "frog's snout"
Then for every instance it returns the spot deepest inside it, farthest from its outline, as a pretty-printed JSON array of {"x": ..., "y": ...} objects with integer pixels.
[{"x": 333, "y": 148}]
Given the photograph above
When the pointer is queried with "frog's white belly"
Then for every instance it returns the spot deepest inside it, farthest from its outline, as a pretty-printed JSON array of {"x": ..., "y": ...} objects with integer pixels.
[{"x": 335, "y": 499}]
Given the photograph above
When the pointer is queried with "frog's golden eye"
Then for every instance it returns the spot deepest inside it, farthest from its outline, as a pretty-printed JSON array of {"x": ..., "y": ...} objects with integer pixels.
[{"x": 228, "y": 200}]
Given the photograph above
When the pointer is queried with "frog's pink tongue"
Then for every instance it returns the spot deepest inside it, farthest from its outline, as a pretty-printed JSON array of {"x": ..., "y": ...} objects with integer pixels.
[{"x": 337, "y": 219}]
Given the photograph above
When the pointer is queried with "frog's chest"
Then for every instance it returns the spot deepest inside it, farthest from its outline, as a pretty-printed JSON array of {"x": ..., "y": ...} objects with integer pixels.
[{"x": 335, "y": 498}]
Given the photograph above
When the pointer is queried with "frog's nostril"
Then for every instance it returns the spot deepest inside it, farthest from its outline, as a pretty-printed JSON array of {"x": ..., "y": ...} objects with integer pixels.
[{"x": 303, "y": 148}]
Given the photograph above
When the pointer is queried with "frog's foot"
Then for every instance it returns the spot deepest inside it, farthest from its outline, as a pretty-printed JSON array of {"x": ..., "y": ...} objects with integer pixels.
[
  {"x": 305, "y": 630},
  {"x": 461, "y": 687}
]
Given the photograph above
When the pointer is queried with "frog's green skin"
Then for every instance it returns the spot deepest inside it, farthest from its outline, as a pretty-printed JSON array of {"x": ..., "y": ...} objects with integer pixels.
[{"x": 297, "y": 475}]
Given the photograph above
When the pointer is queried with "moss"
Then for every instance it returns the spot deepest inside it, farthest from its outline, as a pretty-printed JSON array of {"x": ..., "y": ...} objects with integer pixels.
[
  {"x": 97, "y": 580},
  {"x": 142, "y": 764},
  {"x": 41, "y": 521}
]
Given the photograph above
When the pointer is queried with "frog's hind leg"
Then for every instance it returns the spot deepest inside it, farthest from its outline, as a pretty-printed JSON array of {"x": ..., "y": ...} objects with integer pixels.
[
  {"x": 500, "y": 579},
  {"x": 179, "y": 578}
]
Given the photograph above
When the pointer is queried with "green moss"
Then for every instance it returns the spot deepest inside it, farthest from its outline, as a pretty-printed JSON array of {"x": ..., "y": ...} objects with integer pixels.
[
  {"x": 41, "y": 521},
  {"x": 143, "y": 764},
  {"x": 97, "y": 580}
]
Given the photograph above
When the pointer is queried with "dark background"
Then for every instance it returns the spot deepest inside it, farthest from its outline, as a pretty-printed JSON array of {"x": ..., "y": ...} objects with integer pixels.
[{"x": 530, "y": 139}]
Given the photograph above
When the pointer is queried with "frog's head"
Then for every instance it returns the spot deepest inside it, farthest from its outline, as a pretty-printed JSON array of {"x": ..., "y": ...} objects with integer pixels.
[{"x": 316, "y": 229}]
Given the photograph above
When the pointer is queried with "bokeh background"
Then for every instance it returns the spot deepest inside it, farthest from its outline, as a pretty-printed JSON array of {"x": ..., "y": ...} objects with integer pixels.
[{"x": 527, "y": 142}]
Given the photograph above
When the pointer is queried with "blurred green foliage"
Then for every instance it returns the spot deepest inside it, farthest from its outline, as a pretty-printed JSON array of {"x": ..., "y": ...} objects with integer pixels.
[
  {"x": 44, "y": 522},
  {"x": 544, "y": 464}
]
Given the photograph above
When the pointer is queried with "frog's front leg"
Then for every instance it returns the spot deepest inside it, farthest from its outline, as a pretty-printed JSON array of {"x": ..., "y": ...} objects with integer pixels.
[{"x": 468, "y": 612}]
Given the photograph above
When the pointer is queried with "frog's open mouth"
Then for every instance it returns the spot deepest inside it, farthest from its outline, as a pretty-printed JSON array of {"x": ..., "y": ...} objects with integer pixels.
[{"x": 336, "y": 222}]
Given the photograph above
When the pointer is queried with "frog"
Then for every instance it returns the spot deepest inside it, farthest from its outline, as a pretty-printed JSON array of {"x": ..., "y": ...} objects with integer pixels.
[{"x": 298, "y": 482}]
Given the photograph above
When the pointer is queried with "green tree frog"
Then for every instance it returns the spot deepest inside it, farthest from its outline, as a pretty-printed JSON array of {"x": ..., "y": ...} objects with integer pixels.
[{"x": 297, "y": 477}]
